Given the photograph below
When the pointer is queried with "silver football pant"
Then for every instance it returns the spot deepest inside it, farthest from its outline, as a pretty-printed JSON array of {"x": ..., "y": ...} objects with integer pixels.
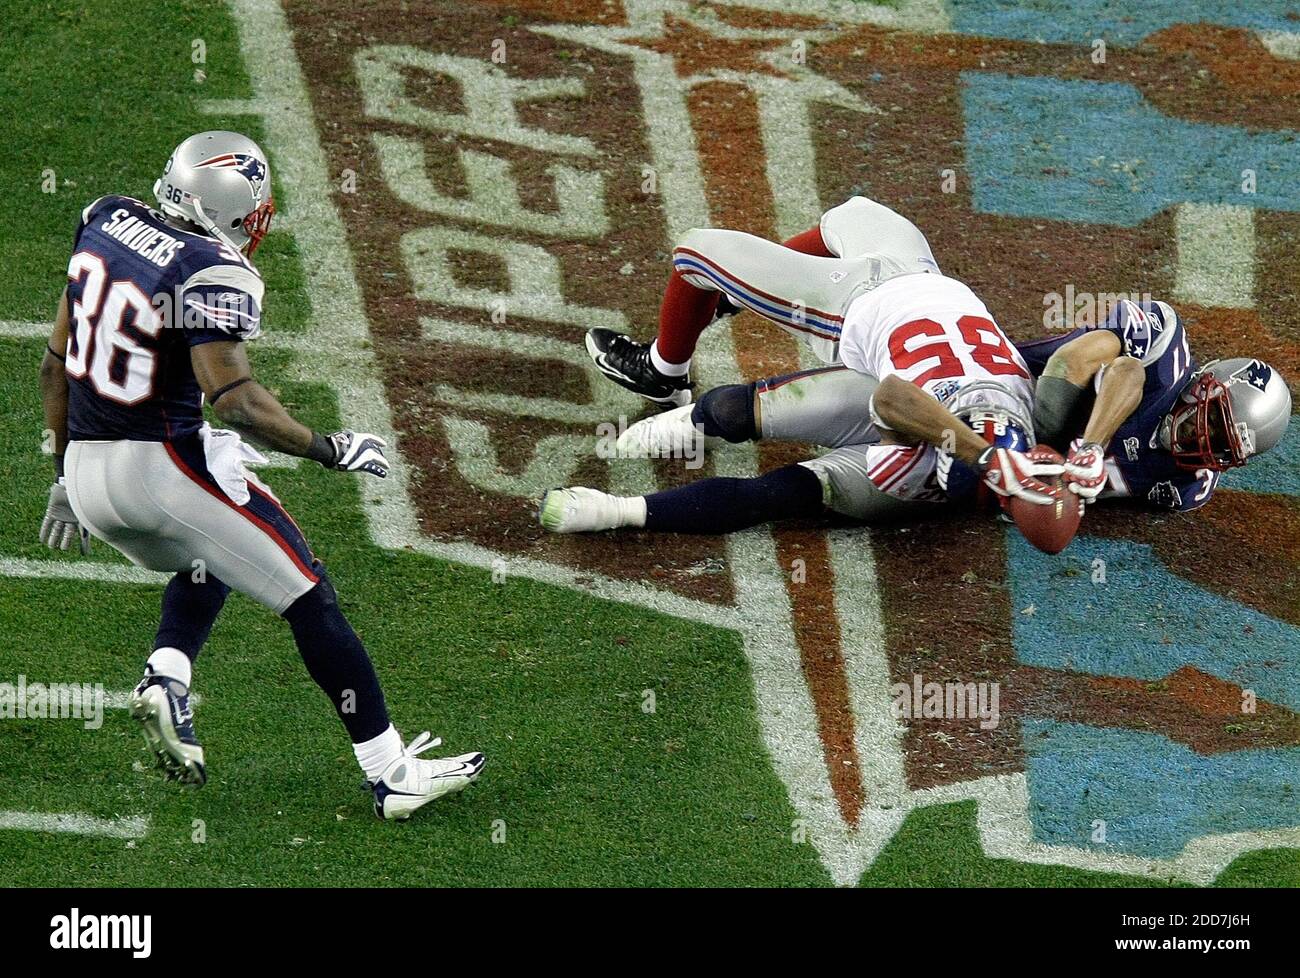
[{"x": 157, "y": 504}]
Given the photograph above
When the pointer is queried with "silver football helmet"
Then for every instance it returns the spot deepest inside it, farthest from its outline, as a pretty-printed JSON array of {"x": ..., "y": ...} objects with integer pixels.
[
  {"x": 1230, "y": 411},
  {"x": 221, "y": 182}
]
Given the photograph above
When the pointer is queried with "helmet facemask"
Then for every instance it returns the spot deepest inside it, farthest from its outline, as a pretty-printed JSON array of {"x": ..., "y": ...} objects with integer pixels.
[
  {"x": 997, "y": 416},
  {"x": 1203, "y": 434},
  {"x": 257, "y": 223}
]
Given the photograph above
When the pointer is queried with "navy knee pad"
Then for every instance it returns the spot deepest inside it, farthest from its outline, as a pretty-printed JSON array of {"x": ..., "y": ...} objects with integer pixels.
[{"x": 727, "y": 412}]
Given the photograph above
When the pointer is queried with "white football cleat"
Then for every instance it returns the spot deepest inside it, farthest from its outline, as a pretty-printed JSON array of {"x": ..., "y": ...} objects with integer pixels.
[
  {"x": 582, "y": 510},
  {"x": 669, "y": 435},
  {"x": 410, "y": 783},
  {"x": 162, "y": 707}
]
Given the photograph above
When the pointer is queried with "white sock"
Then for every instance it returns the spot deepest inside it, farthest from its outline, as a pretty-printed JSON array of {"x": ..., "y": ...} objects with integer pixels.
[
  {"x": 375, "y": 754},
  {"x": 666, "y": 368},
  {"x": 172, "y": 663},
  {"x": 631, "y": 510}
]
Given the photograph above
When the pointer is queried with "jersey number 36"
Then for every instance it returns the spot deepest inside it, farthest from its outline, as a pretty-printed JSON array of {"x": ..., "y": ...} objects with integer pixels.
[{"x": 102, "y": 335}]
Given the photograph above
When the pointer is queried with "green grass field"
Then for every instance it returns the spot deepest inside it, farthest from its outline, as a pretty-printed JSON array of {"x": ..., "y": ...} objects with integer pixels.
[{"x": 582, "y": 787}]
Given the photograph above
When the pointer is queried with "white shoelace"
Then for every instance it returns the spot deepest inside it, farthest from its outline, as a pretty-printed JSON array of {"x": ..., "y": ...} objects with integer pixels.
[{"x": 422, "y": 743}]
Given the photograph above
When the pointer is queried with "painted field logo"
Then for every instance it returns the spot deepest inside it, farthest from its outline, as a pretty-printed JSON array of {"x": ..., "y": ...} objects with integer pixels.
[{"x": 515, "y": 201}]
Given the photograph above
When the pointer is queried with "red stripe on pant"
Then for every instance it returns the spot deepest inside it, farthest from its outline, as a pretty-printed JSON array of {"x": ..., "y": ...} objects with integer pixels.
[
  {"x": 893, "y": 468},
  {"x": 262, "y": 525}
]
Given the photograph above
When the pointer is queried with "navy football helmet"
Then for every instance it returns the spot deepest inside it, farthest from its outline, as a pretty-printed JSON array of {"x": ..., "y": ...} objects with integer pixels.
[{"x": 999, "y": 417}]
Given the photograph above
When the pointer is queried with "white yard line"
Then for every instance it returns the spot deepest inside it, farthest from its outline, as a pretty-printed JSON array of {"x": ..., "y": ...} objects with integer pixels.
[
  {"x": 75, "y": 823},
  {"x": 83, "y": 570},
  {"x": 118, "y": 699},
  {"x": 21, "y": 329},
  {"x": 1006, "y": 832}
]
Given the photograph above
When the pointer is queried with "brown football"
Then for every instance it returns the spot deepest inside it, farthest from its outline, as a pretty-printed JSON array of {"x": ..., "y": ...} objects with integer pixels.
[{"x": 1048, "y": 526}]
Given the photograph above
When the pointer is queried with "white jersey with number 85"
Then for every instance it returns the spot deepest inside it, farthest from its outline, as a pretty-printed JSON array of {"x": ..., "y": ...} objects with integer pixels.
[{"x": 935, "y": 332}]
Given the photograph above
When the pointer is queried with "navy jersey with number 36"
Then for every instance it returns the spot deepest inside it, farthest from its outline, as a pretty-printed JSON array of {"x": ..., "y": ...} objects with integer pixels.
[
  {"x": 1136, "y": 465},
  {"x": 141, "y": 293}
]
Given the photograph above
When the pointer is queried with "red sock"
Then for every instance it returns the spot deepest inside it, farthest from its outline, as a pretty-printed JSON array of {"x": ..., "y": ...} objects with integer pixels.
[
  {"x": 686, "y": 310},
  {"x": 683, "y": 315},
  {"x": 810, "y": 243}
]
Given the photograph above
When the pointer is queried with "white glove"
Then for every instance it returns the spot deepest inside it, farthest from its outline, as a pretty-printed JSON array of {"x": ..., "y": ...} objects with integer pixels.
[
  {"x": 1085, "y": 469},
  {"x": 1012, "y": 473},
  {"x": 60, "y": 525},
  {"x": 356, "y": 451}
]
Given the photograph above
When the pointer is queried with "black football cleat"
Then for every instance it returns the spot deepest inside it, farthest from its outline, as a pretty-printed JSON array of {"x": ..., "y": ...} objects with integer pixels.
[{"x": 627, "y": 363}]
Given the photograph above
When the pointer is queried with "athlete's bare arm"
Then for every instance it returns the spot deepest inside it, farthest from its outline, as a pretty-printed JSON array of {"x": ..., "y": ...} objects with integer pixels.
[
  {"x": 226, "y": 378},
  {"x": 1119, "y": 397},
  {"x": 1121, "y": 386},
  {"x": 1079, "y": 360},
  {"x": 54, "y": 382},
  {"x": 918, "y": 417}
]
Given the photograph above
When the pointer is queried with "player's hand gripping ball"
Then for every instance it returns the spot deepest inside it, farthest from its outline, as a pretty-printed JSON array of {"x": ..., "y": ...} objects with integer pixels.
[{"x": 1051, "y": 525}]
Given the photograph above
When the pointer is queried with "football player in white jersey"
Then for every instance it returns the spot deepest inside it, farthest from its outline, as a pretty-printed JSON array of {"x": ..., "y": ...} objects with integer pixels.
[{"x": 927, "y": 399}]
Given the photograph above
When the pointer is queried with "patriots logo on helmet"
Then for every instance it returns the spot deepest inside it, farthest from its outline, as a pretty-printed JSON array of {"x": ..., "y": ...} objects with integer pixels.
[
  {"x": 1256, "y": 373},
  {"x": 249, "y": 166}
]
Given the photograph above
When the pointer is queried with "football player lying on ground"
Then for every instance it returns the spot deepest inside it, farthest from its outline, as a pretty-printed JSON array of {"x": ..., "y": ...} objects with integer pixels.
[
  {"x": 1169, "y": 428},
  {"x": 1124, "y": 398},
  {"x": 153, "y": 320},
  {"x": 1140, "y": 419},
  {"x": 935, "y": 398}
]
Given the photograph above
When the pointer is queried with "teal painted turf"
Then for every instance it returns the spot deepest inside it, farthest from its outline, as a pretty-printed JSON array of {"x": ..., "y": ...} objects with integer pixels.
[{"x": 588, "y": 788}]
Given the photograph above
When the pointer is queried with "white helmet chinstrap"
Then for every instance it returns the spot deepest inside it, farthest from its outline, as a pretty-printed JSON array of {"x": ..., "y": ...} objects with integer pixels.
[{"x": 221, "y": 182}]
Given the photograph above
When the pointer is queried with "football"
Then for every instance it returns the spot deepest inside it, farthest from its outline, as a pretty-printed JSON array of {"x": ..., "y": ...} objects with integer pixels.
[{"x": 1049, "y": 527}]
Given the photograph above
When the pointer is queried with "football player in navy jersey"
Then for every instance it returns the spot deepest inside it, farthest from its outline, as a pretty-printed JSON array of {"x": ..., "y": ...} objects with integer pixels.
[
  {"x": 1140, "y": 418},
  {"x": 158, "y": 307}
]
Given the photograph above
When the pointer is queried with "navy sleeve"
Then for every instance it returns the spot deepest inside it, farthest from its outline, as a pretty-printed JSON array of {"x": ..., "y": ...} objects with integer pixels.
[{"x": 221, "y": 299}]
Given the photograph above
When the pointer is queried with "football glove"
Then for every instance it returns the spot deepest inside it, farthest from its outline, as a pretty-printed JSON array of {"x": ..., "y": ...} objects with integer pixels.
[
  {"x": 356, "y": 451},
  {"x": 1085, "y": 469},
  {"x": 1012, "y": 473},
  {"x": 60, "y": 525}
]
